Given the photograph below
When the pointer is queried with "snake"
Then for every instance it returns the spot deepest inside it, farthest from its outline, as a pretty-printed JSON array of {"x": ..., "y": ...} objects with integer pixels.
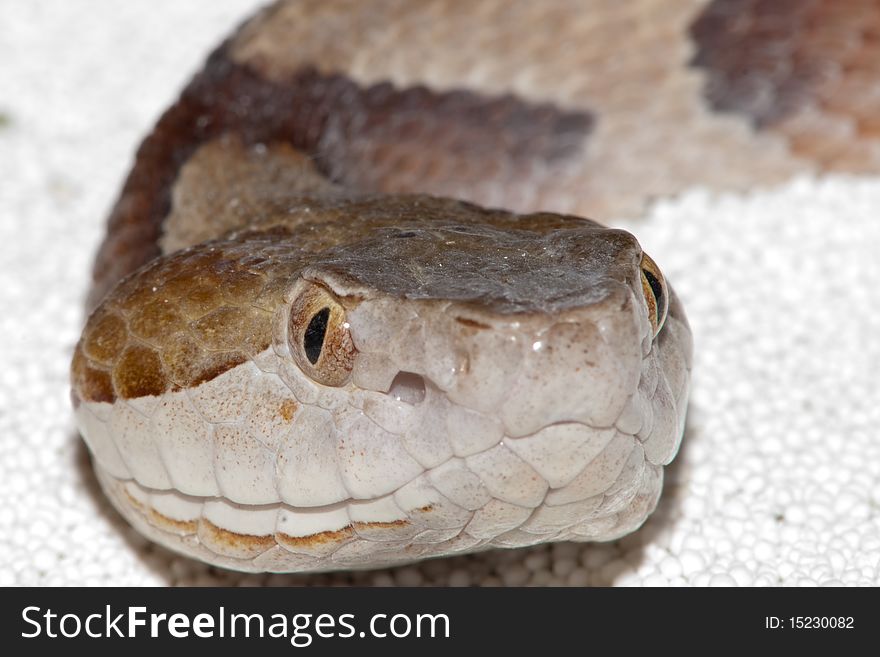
[{"x": 348, "y": 312}]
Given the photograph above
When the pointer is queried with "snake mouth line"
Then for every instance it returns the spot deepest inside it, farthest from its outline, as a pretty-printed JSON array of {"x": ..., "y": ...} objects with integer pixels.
[{"x": 243, "y": 532}]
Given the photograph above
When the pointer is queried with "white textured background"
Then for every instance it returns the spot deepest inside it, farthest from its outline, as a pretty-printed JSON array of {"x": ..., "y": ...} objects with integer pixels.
[{"x": 778, "y": 482}]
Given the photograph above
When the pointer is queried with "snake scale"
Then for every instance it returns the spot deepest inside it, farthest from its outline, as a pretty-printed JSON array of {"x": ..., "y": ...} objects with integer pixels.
[{"x": 346, "y": 314}]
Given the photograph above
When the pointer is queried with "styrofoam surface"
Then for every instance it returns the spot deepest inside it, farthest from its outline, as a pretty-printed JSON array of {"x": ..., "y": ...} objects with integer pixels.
[{"x": 778, "y": 481}]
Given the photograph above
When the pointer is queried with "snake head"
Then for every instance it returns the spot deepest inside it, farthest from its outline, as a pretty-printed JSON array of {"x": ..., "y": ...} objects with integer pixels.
[{"x": 374, "y": 380}]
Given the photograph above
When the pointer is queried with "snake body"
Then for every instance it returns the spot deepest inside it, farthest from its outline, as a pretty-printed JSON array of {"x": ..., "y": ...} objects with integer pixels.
[{"x": 309, "y": 347}]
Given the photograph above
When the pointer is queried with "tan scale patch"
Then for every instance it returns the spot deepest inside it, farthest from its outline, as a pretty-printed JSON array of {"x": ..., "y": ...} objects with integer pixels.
[
  {"x": 226, "y": 185},
  {"x": 288, "y": 409},
  {"x": 139, "y": 373},
  {"x": 90, "y": 383},
  {"x": 229, "y": 328},
  {"x": 153, "y": 319},
  {"x": 202, "y": 296},
  {"x": 107, "y": 340},
  {"x": 178, "y": 324}
]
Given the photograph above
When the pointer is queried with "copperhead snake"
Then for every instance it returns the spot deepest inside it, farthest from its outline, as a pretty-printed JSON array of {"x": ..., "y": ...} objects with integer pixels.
[{"x": 346, "y": 314}]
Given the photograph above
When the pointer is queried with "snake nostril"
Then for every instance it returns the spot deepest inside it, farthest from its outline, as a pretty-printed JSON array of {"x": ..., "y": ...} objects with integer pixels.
[{"x": 408, "y": 387}]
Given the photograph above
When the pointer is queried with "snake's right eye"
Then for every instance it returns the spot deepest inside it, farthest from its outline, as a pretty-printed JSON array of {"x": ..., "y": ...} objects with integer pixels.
[
  {"x": 319, "y": 337},
  {"x": 656, "y": 294}
]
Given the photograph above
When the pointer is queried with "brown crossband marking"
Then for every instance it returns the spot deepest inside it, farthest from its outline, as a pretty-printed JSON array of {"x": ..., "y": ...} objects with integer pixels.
[
  {"x": 742, "y": 45},
  {"x": 805, "y": 70},
  {"x": 364, "y": 137}
]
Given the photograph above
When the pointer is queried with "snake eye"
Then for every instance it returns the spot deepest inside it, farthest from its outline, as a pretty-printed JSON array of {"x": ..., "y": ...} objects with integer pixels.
[
  {"x": 656, "y": 294},
  {"x": 319, "y": 338}
]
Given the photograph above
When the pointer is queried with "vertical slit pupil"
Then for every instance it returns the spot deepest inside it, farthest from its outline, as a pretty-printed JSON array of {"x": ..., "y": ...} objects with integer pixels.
[
  {"x": 313, "y": 339},
  {"x": 656, "y": 288}
]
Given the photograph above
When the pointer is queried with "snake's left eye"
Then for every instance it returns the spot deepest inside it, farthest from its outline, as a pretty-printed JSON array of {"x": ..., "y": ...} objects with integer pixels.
[
  {"x": 656, "y": 294},
  {"x": 318, "y": 336}
]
